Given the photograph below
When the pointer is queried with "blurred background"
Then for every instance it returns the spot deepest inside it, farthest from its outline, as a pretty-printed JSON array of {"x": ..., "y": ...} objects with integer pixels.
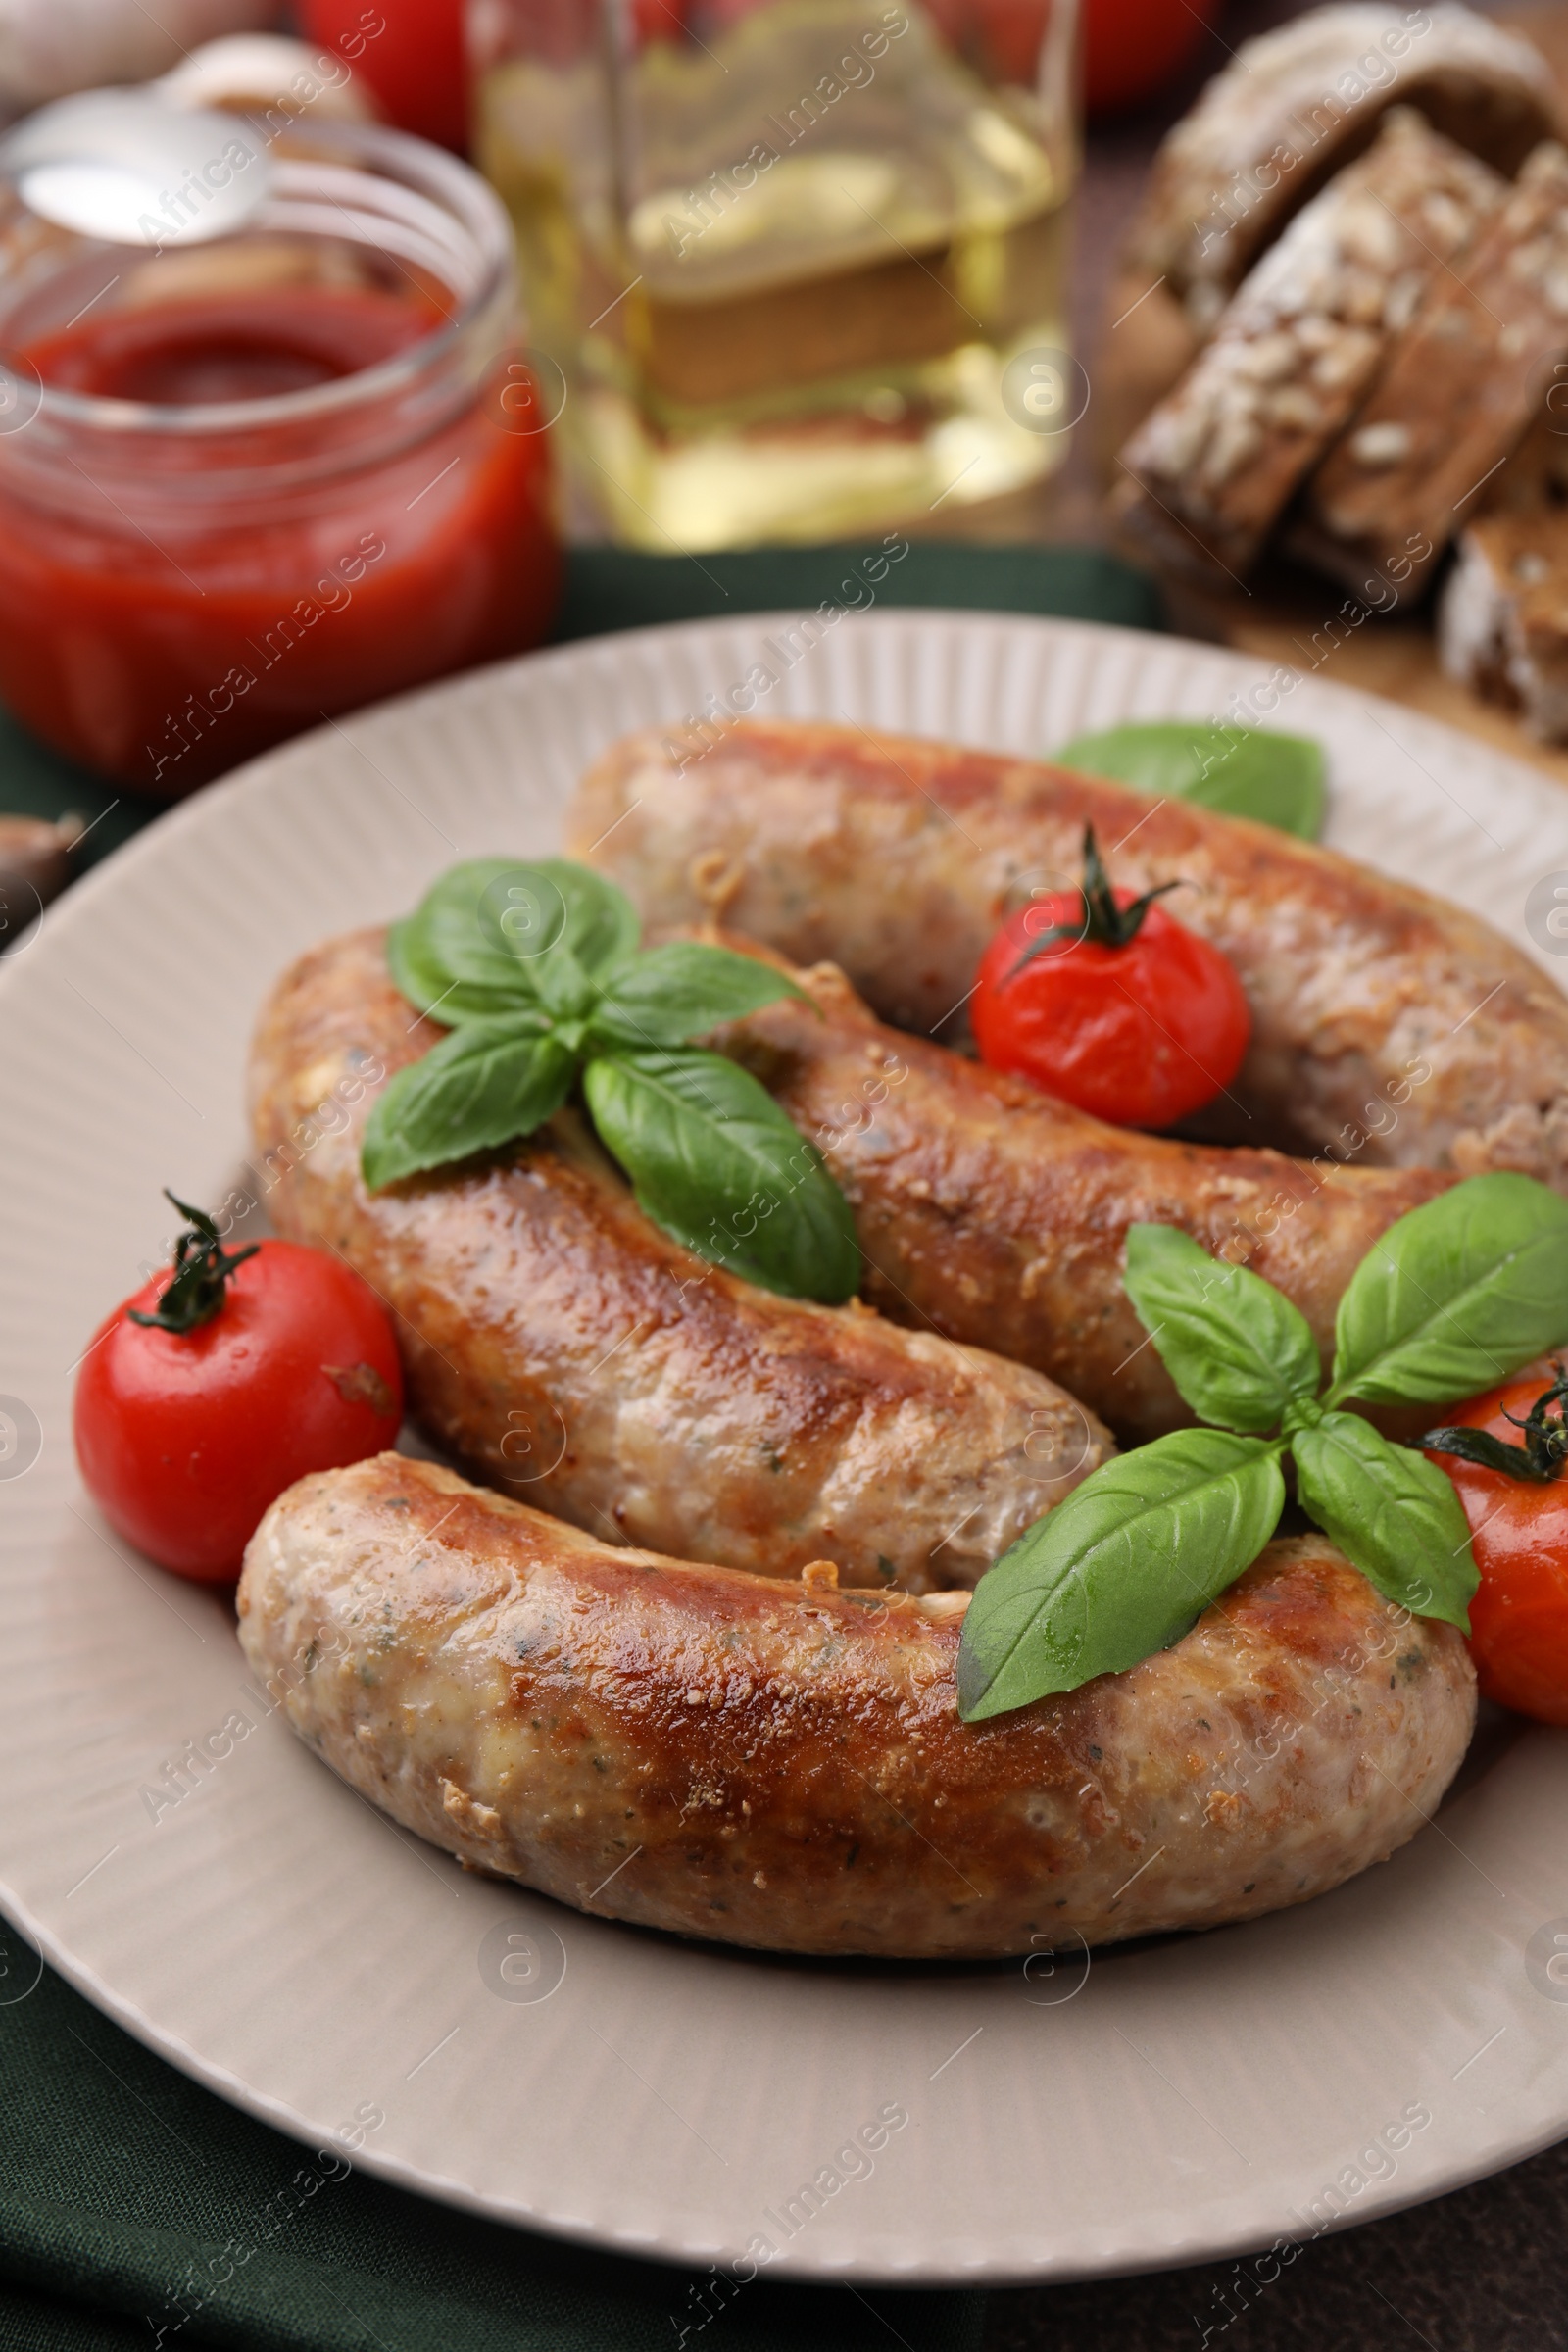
[{"x": 673, "y": 279}]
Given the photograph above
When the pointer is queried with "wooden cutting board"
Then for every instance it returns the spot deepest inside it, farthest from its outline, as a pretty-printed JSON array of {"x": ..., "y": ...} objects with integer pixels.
[{"x": 1290, "y": 615}]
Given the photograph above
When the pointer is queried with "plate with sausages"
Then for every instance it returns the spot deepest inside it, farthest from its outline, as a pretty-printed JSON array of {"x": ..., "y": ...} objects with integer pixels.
[{"x": 617, "y": 1809}]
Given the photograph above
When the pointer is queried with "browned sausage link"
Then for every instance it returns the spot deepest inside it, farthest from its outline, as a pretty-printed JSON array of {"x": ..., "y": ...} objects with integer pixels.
[
  {"x": 783, "y": 1766},
  {"x": 996, "y": 1214},
  {"x": 1387, "y": 1027},
  {"x": 572, "y": 1355}
]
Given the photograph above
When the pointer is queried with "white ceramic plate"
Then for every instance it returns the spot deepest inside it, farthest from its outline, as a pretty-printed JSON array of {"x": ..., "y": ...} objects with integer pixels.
[{"x": 275, "y": 1936}]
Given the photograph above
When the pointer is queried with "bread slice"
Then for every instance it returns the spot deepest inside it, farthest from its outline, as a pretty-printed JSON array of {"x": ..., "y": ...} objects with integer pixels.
[
  {"x": 1296, "y": 105},
  {"x": 1503, "y": 625},
  {"x": 1535, "y": 474},
  {"x": 1217, "y": 463},
  {"x": 1456, "y": 393}
]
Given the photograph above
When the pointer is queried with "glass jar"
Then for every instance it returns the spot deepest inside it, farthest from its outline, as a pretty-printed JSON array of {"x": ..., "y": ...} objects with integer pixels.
[
  {"x": 248, "y": 484},
  {"x": 802, "y": 263}
]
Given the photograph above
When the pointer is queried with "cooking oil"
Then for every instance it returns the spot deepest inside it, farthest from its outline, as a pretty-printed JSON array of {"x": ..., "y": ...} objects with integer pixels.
[{"x": 785, "y": 259}]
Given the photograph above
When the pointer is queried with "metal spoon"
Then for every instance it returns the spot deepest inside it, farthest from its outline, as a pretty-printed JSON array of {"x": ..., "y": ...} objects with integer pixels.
[{"x": 122, "y": 167}]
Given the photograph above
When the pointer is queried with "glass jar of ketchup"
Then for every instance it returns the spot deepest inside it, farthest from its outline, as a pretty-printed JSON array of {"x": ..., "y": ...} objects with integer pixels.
[{"x": 248, "y": 484}]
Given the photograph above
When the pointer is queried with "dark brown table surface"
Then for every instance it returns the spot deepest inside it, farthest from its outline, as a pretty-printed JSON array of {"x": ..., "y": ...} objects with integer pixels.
[
  {"x": 1485, "y": 2270},
  {"x": 1480, "y": 2271}
]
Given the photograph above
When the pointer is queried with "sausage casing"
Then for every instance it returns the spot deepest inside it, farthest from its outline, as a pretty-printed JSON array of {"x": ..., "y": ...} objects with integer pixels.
[
  {"x": 560, "y": 1345},
  {"x": 783, "y": 1766},
  {"x": 1387, "y": 1027},
  {"x": 996, "y": 1214}
]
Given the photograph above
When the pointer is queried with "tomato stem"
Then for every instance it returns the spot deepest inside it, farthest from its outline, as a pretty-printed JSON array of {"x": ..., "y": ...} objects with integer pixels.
[
  {"x": 202, "y": 1271},
  {"x": 1539, "y": 1460},
  {"x": 1101, "y": 920}
]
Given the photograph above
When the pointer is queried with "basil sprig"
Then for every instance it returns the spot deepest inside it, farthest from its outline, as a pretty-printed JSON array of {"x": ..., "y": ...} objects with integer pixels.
[
  {"x": 1452, "y": 1298},
  {"x": 537, "y": 970},
  {"x": 1074, "y": 1597},
  {"x": 1276, "y": 779}
]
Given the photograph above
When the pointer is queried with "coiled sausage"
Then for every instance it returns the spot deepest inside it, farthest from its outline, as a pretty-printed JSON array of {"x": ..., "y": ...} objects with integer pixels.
[
  {"x": 895, "y": 860},
  {"x": 783, "y": 1765},
  {"x": 994, "y": 1213},
  {"x": 565, "y": 1348}
]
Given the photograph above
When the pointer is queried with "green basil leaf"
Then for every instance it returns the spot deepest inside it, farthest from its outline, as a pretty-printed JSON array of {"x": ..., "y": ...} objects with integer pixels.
[
  {"x": 683, "y": 989},
  {"x": 715, "y": 1161},
  {"x": 486, "y": 1083},
  {"x": 1455, "y": 1296},
  {"x": 1391, "y": 1512},
  {"x": 557, "y": 903},
  {"x": 493, "y": 922},
  {"x": 565, "y": 988},
  {"x": 1121, "y": 1569},
  {"x": 429, "y": 989},
  {"x": 445, "y": 942},
  {"x": 1243, "y": 771},
  {"x": 1237, "y": 1348}
]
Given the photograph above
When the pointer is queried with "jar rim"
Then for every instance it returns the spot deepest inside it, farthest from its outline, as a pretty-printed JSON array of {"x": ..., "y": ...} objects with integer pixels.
[{"x": 414, "y": 163}]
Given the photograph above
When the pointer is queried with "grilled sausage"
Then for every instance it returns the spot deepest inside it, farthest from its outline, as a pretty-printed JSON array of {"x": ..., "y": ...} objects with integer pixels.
[
  {"x": 994, "y": 1213},
  {"x": 1387, "y": 1025},
  {"x": 560, "y": 1345},
  {"x": 783, "y": 1765}
]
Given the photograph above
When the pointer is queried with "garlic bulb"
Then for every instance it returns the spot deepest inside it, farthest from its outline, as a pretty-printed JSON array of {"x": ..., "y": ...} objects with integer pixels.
[
  {"x": 252, "y": 72},
  {"x": 49, "y": 48}
]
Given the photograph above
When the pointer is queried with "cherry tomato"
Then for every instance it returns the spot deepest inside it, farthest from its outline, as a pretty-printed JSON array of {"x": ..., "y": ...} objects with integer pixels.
[
  {"x": 1519, "y": 1533},
  {"x": 666, "y": 19},
  {"x": 185, "y": 1435},
  {"x": 1132, "y": 48},
  {"x": 413, "y": 55},
  {"x": 1141, "y": 1032}
]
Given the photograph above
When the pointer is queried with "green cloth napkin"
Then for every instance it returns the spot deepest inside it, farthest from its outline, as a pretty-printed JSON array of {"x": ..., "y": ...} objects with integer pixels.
[
  {"x": 122, "y": 2182},
  {"x": 607, "y": 588}
]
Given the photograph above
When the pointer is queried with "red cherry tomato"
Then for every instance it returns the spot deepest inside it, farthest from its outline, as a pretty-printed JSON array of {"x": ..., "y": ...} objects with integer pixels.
[
  {"x": 1132, "y": 48},
  {"x": 666, "y": 19},
  {"x": 413, "y": 55},
  {"x": 186, "y": 1436},
  {"x": 1519, "y": 1533},
  {"x": 1140, "y": 1035}
]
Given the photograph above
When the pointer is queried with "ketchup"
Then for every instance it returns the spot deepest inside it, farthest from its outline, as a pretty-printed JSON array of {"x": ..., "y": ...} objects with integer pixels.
[
  {"x": 159, "y": 634},
  {"x": 251, "y": 346}
]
